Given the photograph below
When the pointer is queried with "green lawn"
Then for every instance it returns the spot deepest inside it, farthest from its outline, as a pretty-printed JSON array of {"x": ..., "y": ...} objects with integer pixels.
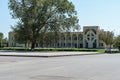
[{"x": 54, "y": 49}]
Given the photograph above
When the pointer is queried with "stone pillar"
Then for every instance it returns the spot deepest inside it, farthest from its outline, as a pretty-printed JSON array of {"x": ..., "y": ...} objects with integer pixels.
[
  {"x": 84, "y": 40},
  {"x": 97, "y": 38},
  {"x": 77, "y": 40}
]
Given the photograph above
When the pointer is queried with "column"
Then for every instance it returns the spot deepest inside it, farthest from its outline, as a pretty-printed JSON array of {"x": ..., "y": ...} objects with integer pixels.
[
  {"x": 97, "y": 40},
  {"x": 77, "y": 40},
  {"x": 84, "y": 40}
]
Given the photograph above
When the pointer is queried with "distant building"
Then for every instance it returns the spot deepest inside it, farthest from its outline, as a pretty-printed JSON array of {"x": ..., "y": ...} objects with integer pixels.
[
  {"x": 11, "y": 41},
  {"x": 89, "y": 38}
]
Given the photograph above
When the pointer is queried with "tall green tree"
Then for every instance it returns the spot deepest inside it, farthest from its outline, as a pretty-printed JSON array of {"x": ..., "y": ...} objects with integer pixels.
[
  {"x": 108, "y": 38},
  {"x": 22, "y": 34},
  {"x": 1, "y": 38},
  {"x": 117, "y": 42},
  {"x": 51, "y": 38},
  {"x": 5, "y": 42},
  {"x": 44, "y": 16}
]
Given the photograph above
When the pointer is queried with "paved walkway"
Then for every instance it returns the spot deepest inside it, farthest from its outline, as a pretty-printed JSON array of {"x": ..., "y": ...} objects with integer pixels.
[{"x": 44, "y": 54}]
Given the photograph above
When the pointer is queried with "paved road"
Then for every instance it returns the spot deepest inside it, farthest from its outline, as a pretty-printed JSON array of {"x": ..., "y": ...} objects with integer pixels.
[{"x": 89, "y": 67}]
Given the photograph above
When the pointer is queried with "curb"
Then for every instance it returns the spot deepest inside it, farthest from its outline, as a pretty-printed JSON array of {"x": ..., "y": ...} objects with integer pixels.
[{"x": 48, "y": 56}]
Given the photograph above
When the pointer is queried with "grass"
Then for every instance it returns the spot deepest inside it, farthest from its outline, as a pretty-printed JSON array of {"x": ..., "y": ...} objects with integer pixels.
[
  {"x": 64, "y": 49},
  {"x": 101, "y": 51},
  {"x": 59, "y": 49},
  {"x": 54, "y": 49}
]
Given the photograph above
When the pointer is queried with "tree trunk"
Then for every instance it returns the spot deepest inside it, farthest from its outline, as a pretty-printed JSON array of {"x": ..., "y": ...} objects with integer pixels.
[
  {"x": 25, "y": 45},
  {"x": 33, "y": 46},
  {"x": 110, "y": 49}
]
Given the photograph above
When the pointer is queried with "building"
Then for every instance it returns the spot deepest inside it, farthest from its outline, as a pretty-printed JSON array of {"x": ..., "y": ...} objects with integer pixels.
[
  {"x": 11, "y": 41},
  {"x": 89, "y": 38}
]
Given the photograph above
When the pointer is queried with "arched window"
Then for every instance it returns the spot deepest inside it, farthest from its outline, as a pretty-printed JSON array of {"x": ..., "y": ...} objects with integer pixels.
[
  {"x": 74, "y": 37},
  {"x": 94, "y": 31},
  {"x": 87, "y": 31},
  {"x": 80, "y": 37}
]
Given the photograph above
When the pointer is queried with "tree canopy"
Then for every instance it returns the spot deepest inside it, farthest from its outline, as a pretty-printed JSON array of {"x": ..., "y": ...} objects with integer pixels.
[
  {"x": 3, "y": 41},
  {"x": 1, "y": 35},
  {"x": 107, "y": 37},
  {"x": 1, "y": 38},
  {"x": 40, "y": 16},
  {"x": 117, "y": 42}
]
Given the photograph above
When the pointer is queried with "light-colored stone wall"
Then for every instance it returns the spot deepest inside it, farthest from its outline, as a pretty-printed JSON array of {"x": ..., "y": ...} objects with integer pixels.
[
  {"x": 71, "y": 40},
  {"x": 11, "y": 39},
  {"x": 89, "y": 38},
  {"x": 12, "y": 42}
]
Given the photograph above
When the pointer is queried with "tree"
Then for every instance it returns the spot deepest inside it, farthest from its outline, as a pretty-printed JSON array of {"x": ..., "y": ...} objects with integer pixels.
[
  {"x": 5, "y": 42},
  {"x": 51, "y": 38},
  {"x": 40, "y": 16},
  {"x": 108, "y": 38},
  {"x": 117, "y": 42},
  {"x": 22, "y": 34},
  {"x": 1, "y": 38}
]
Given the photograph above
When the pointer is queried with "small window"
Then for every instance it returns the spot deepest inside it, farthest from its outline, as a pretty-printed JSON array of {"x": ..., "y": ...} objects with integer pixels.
[
  {"x": 75, "y": 38},
  {"x": 88, "y": 35},
  {"x": 92, "y": 35},
  {"x": 88, "y": 38},
  {"x": 101, "y": 44},
  {"x": 92, "y": 38},
  {"x": 69, "y": 38},
  {"x": 64, "y": 44},
  {"x": 80, "y": 37},
  {"x": 64, "y": 38},
  {"x": 94, "y": 31}
]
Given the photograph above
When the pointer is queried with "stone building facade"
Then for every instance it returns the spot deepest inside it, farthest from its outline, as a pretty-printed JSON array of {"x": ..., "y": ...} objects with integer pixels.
[{"x": 89, "y": 38}]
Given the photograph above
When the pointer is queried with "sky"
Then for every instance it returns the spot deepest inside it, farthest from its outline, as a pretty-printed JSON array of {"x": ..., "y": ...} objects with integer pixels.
[{"x": 103, "y": 13}]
